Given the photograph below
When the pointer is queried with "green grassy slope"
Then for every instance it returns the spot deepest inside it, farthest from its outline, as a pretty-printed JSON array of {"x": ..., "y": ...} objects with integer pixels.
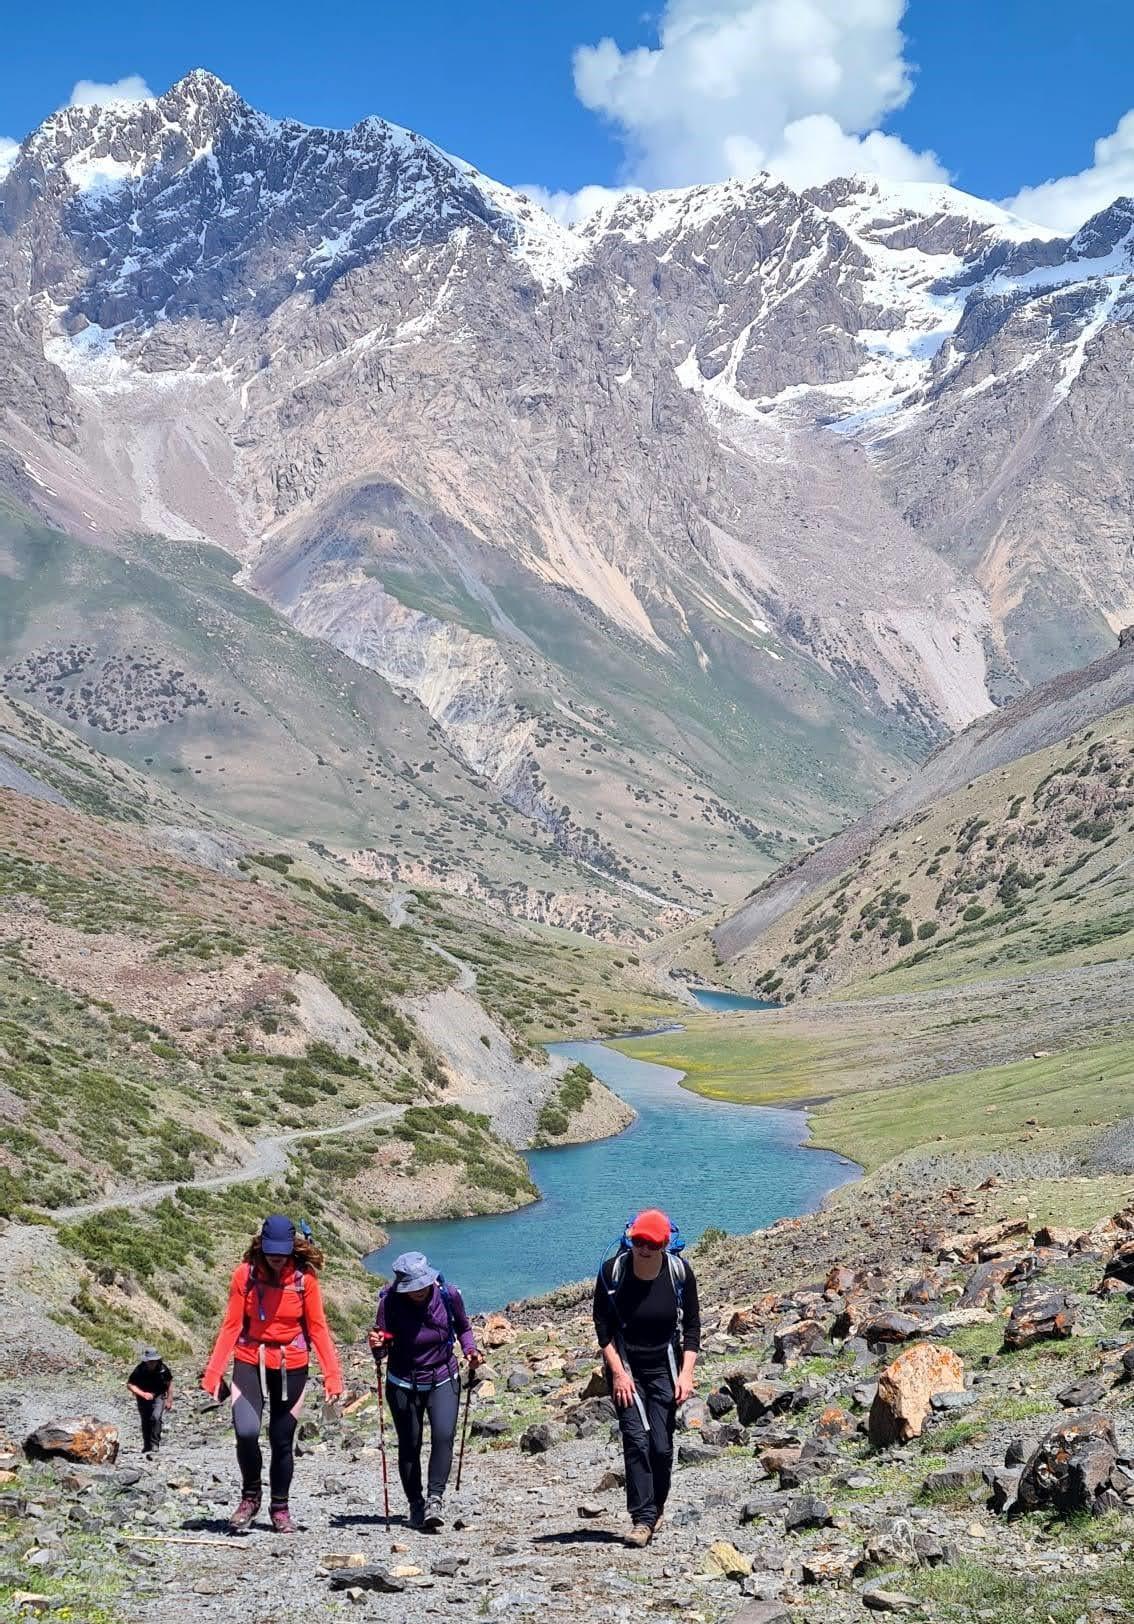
[
  {"x": 151, "y": 654},
  {"x": 1027, "y": 868}
]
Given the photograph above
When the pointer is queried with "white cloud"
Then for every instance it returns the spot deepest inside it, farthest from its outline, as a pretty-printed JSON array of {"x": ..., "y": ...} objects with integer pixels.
[
  {"x": 90, "y": 93},
  {"x": 796, "y": 86},
  {"x": 1066, "y": 203},
  {"x": 8, "y": 151},
  {"x": 572, "y": 208}
]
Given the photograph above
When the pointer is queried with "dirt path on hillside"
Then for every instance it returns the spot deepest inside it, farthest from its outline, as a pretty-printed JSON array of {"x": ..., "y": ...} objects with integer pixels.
[{"x": 268, "y": 1160}]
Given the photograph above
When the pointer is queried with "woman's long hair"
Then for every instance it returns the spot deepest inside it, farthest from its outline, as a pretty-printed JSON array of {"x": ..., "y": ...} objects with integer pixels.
[{"x": 304, "y": 1254}]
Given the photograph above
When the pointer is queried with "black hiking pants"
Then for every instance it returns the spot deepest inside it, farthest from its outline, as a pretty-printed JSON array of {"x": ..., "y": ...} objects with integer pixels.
[
  {"x": 247, "y": 1415},
  {"x": 647, "y": 1444},
  {"x": 151, "y": 1412},
  {"x": 409, "y": 1407}
]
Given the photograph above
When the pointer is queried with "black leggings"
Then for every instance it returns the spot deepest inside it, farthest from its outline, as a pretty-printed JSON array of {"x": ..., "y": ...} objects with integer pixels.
[
  {"x": 247, "y": 1413},
  {"x": 409, "y": 1405}
]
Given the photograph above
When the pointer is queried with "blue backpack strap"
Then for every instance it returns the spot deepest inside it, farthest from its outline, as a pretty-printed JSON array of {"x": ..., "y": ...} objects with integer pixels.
[{"x": 446, "y": 1298}]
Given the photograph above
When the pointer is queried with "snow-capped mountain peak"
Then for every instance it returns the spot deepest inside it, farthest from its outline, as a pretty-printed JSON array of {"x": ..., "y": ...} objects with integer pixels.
[{"x": 170, "y": 202}]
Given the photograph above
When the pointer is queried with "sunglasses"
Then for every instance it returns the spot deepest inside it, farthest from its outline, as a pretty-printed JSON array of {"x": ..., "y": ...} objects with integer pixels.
[{"x": 641, "y": 1245}]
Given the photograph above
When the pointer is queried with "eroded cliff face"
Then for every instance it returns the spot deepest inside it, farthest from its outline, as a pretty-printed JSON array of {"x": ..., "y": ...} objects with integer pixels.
[{"x": 757, "y": 495}]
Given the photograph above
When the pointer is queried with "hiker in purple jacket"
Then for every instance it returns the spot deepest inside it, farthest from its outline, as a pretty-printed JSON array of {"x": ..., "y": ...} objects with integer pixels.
[{"x": 419, "y": 1322}]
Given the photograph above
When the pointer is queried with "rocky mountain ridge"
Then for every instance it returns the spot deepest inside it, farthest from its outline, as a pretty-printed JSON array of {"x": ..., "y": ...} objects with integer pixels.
[
  {"x": 698, "y": 462},
  {"x": 1069, "y": 708}
]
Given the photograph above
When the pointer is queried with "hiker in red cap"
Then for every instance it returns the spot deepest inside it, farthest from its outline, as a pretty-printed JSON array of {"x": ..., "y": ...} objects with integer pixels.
[{"x": 648, "y": 1322}]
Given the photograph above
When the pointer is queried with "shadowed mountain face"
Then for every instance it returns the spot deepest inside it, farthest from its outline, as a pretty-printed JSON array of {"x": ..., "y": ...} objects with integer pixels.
[{"x": 689, "y": 530}]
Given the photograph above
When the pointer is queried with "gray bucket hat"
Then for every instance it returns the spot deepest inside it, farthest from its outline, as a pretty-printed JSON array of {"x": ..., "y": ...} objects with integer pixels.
[
  {"x": 412, "y": 1272},
  {"x": 150, "y": 1353}
]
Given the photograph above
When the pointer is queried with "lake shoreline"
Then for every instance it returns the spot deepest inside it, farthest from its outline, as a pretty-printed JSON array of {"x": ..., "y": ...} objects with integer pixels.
[{"x": 662, "y": 1157}]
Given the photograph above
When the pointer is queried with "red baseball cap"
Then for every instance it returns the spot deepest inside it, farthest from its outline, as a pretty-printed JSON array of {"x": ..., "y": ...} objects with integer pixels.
[{"x": 651, "y": 1225}]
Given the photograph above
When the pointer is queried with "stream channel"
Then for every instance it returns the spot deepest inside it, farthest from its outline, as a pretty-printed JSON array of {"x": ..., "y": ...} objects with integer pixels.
[{"x": 705, "y": 1162}]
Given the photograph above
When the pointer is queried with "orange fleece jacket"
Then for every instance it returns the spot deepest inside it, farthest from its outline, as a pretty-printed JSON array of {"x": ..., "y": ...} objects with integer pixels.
[{"x": 274, "y": 1312}]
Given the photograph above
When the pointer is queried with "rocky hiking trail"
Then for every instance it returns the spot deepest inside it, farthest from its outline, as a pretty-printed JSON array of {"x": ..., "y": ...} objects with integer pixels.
[{"x": 917, "y": 1403}]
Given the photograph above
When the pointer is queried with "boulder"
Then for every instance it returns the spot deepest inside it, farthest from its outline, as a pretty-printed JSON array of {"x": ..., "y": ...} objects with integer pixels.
[
  {"x": 950, "y": 1402},
  {"x": 958, "y": 1319},
  {"x": 796, "y": 1473},
  {"x": 743, "y": 1322},
  {"x": 724, "y": 1561},
  {"x": 720, "y": 1403},
  {"x": 488, "y": 1426},
  {"x": 592, "y": 1415},
  {"x": 1055, "y": 1235},
  {"x": 693, "y": 1451},
  {"x": 376, "y": 1576},
  {"x": 983, "y": 1244},
  {"x": 761, "y": 1612},
  {"x": 1084, "y": 1394},
  {"x": 81, "y": 1439},
  {"x": 1003, "y": 1486},
  {"x": 890, "y": 1326},
  {"x": 774, "y": 1460},
  {"x": 889, "y": 1601},
  {"x": 984, "y": 1283},
  {"x": 906, "y": 1387},
  {"x": 692, "y": 1415},
  {"x": 807, "y": 1511},
  {"x": 1039, "y": 1317},
  {"x": 835, "y": 1565},
  {"x": 724, "y": 1434},
  {"x": 756, "y": 1399},
  {"x": 596, "y": 1385},
  {"x": 1121, "y": 1264},
  {"x": 498, "y": 1331},
  {"x": 1069, "y": 1471},
  {"x": 835, "y": 1423},
  {"x": 840, "y": 1280},
  {"x": 537, "y": 1439},
  {"x": 798, "y": 1341},
  {"x": 848, "y": 1321},
  {"x": 926, "y": 1288},
  {"x": 951, "y": 1481}
]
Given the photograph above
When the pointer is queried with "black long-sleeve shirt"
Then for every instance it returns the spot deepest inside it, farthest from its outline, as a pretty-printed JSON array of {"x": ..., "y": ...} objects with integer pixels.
[
  {"x": 152, "y": 1379},
  {"x": 642, "y": 1321}
]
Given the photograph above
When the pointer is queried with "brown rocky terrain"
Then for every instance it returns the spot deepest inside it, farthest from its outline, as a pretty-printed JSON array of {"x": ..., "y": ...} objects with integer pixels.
[{"x": 912, "y": 1402}]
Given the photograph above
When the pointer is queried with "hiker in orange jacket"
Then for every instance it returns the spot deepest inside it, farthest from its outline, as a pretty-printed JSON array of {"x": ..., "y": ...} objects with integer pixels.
[{"x": 273, "y": 1319}]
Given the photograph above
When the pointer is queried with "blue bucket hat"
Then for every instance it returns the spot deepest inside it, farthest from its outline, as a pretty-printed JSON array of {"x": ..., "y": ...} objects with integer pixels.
[
  {"x": 277, "y": 1236},
  {"x": 412, "y": 1272}
]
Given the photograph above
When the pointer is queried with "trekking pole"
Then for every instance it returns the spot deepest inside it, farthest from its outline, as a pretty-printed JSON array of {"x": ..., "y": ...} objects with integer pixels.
[
  {"x": 464, "y": 1432},
  {"x": 382, "y": 1440}
]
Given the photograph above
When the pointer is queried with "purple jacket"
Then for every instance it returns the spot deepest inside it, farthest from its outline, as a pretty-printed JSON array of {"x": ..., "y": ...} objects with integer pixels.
[{"x": 422, "y": 1349}]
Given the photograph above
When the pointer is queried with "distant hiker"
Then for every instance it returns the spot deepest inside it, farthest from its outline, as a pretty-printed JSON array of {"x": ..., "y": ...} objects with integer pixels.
[
  {"x": 151, "y": 1383},
  {"x": 648, "y": 1322},
  {"x": 420, "y": 1320},
  {"x": 273, "y": 1319}
]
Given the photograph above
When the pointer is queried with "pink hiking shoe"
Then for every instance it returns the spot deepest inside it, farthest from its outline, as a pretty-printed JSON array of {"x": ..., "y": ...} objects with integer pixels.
[
  {"x": 281, "y": 1520},
  {"x": 241, "y": 1520}
]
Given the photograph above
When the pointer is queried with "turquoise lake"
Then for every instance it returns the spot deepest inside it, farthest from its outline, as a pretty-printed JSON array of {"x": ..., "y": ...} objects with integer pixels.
[{"x": 708, "y": 1164}]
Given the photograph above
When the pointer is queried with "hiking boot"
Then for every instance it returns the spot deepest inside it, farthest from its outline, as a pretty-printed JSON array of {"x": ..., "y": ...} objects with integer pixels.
[
  {"x": 641, "y": 1534},
  {"x": 434, "y": 1518},
  {"x": 241, "y": 1520},
  {"x": 281, "y": 1520},
  {"x": 417, "y": 1514}
]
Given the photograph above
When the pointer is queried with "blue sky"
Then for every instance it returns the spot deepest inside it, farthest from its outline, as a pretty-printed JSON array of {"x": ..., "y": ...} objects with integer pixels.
[{"x": 997, "y": 94}]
